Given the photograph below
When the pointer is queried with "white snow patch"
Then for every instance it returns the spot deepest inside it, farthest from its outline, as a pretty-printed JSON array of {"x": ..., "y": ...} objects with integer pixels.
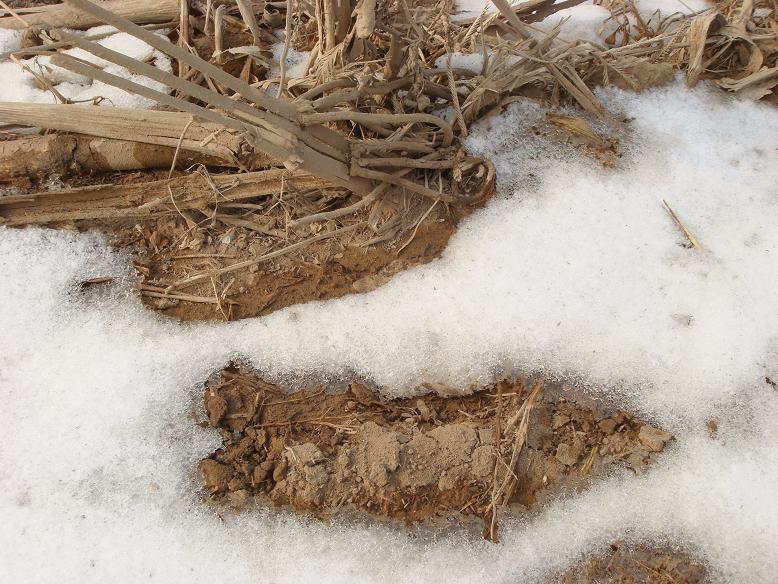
[
  {"x": 585, "y": 22},
  {"x": 473, "y": 62},
  {"x": 668, "y": 7},
  {"x": 579, "y": 273},
  {"x": 10, "y": 40},
  {"x": 295, "y": 62},
  {"x": 21, "y": 86}
]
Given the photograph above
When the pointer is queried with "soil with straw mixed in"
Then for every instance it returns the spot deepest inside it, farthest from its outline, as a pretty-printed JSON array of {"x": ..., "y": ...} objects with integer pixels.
[{"x": 506, "y": 447}]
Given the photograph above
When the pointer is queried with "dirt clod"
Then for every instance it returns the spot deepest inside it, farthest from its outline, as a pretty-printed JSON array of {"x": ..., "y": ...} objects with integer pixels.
[
  {"x": 653, "y": 439},
  {"x": 624, "y": 564},
  {"x": 412, "y": 459}
]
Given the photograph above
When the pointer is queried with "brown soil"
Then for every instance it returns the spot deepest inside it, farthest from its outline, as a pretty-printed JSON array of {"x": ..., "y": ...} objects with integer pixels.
[
  {"x": 169, "y": 251},
  {"x": 637, "y": 565},
  {"x": 187, "y": 243},
  {"x": 415, "y": 459}
]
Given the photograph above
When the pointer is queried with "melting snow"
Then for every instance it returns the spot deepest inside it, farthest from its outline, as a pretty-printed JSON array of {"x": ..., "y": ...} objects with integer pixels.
[{"x": 577, "y": 273}]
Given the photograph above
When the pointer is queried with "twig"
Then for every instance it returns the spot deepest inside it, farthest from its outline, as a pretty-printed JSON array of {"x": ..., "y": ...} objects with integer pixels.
[
  {"x": 692, "y": 240},
  {"x": 287, "y": 36},
  {"x": 178, "y": 147}
]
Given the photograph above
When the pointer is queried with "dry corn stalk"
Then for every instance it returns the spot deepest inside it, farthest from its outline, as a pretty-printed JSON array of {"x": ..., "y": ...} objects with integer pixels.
[
  {"x": 37, "y": 157},
  {"x": 143, "y": 200},
  {"x": 161, "y": 128},
  {"x": 65, "y": 16}
]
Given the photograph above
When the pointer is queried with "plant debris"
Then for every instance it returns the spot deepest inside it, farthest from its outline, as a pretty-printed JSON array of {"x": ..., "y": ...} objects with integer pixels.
[{"x": 366, "y": 120}]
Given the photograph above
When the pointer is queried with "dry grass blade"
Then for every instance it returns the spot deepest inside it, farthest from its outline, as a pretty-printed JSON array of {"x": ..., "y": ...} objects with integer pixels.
[
  {"x": 505, "y": 9},
  {"x": 576, "y": 126},
  {"x": 692, "y": 240}
]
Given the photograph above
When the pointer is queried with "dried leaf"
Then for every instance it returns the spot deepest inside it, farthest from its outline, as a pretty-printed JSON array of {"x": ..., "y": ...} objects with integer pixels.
[
  {"x": 699, "y": 30},
  {"x": 755, "y": 86}
]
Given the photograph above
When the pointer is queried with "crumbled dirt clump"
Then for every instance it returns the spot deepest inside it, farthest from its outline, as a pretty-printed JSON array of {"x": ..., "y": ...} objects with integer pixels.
[
  {"x": 411, "y": 459},
  {"x": 637, "y": 565}
]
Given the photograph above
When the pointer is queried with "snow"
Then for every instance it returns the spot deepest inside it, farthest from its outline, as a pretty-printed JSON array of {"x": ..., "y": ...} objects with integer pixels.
[
  {"x": 473, "y": 62},
  {"x": 10, "y": 40},
  {"x": 21, "y": 86},
  {"x": 587, "y": 21},
  {"x": 577, "y": 273},
  {"x": 668, "y": 7},
  {"x": 295, "y": 62}
]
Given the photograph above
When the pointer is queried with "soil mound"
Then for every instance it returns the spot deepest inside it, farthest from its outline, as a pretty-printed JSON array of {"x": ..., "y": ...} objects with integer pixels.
[{"x": 504, "y": 448}]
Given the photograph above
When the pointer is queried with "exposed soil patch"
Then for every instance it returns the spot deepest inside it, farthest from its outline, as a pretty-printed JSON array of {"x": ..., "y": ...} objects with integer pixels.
[
  {"x": 639, "y": 565},
  {"x": 170, "y": 251},
  {"x": 412, "y": 459}
]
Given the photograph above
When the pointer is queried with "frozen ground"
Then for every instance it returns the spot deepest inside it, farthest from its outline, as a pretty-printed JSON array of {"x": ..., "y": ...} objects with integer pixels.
[{"x": 578, "y": 273}]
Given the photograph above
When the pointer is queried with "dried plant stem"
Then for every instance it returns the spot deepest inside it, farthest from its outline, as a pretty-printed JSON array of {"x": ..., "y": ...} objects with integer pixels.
[
  {"x": 285, "y": 50},
  {"x": 247, "y": 13},
  {"x": 178, "y": 146},
  {"x": 183, "y": 35},
  {"x": 218, "y": 33},
  {"x": 692, "y": 240},
  {"x": 265, "y": 257}
]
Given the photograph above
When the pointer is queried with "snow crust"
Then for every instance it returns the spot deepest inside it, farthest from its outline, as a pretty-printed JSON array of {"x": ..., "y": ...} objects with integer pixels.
[
  {"x": 587, "y": 21},
  {"x": 20, "y": 85},
  {"x": 574, "y": 271}
]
